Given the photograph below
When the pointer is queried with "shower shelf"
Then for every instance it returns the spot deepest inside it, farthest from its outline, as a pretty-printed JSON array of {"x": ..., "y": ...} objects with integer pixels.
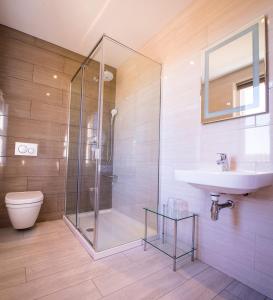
[{"x": 169, "y": 245}]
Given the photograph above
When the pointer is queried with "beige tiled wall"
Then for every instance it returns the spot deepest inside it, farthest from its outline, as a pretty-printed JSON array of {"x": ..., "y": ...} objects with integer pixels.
[
  {"x": 27, "y": 114},
  {"x": 241, "y": 242}
]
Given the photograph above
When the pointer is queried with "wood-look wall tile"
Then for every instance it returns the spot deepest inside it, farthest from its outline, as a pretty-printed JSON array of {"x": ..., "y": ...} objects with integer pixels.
[
  {"x": 35, "y": 112},
  {"x": 51, "y": 113},
  {"x": 66, "y": 98},
  {"x": 16, "y": 68},
  {"x": 13, "y": 184},
  {"x": 64, "y": 132},
  {"x": 50, "y": 185},
  {"x": 50, "y": 203},
  {"x": 62, "y": 167},
  {"x": 70, "y": 206},
  {"x": 4, "y": 220},
  {"x": 50, "y": 77},
  {"x": 59, "y": 50},
  {"x": 8, "y": 32},
  {"x": 73, "y": 134},
  {"x": 34, "y": 129},
  {"x": 49, "y": 216},
  {"x": 72, "y": 167},
  {"x": 72, "y": 151},
  {"x": 71, "y": 67},
  {"x": 15, "y": 107},
  {"x": 31, "y": 54},
  {"x": 41, "y": 93},
  {"x": 3, "y": 208},
  {"x": 72, "y": 183},
  {"x": 26, "y": 90},
  {"x": 30, "y": 166},
  {"x": 61, "y": 202}
]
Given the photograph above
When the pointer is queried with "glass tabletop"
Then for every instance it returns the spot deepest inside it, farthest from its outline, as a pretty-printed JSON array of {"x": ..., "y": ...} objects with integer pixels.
[{"x": 173, "y": 214}]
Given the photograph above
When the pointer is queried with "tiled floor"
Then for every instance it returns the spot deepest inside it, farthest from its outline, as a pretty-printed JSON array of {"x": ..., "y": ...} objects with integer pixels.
[{"x": 47, "y": 262}]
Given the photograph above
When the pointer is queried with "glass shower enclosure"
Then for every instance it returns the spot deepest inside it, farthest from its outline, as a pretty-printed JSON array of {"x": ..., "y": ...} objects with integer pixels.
[{"x": 113, "y": 145}]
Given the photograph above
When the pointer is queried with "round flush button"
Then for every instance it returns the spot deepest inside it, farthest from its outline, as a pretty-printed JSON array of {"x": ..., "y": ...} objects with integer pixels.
[
  {"x": 22, "y": 149},
  {"x": 30, "y": 150}
]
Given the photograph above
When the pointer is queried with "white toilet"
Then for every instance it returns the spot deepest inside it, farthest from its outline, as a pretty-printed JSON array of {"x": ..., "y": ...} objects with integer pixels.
[{"x": 23, "y": 208}]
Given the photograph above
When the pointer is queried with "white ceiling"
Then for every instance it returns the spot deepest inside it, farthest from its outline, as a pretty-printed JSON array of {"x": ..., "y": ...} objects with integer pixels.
[{"x": 78, "y": 24}]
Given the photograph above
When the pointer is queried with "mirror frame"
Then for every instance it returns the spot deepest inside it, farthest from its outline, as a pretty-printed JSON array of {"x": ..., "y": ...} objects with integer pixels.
[{"x": 211, "y": 117}]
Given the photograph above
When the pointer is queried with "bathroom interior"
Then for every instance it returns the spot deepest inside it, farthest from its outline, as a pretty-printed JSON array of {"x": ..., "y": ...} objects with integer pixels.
[{"x": 135, "y": 149}]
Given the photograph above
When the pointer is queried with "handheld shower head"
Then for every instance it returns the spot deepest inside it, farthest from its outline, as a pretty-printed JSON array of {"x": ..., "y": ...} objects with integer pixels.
[
  {"x": 114, "y": 112},
  {"x": 110, "y": 150}
]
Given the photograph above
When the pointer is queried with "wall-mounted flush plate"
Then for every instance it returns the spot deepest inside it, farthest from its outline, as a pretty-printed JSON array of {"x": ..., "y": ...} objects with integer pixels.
[{"x": 26, "y": 149}]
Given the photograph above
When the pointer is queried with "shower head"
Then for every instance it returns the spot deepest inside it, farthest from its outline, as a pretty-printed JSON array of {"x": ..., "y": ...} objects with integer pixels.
[{"x": 108, "y": 76}]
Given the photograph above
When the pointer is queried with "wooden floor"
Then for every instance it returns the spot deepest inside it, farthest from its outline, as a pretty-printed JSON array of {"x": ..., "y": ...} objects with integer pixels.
[{"x": 47, "y": 262}]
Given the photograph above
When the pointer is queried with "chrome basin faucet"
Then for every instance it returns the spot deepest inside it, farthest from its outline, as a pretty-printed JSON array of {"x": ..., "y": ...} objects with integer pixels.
[{"x": 222, "y": 161}]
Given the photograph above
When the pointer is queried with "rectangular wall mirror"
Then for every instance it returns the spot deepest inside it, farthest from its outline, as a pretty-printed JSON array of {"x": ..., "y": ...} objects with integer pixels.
[{"x": 234, "y": 75}]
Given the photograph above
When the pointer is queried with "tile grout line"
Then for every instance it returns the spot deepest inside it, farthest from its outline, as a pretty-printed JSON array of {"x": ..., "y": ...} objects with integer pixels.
[
  {"x": 188, "y": 279},
  {"x": 97, "y": 288},
  {"x": 48, "y": 275},
  {"x": 67, "y": 287},
  {"x": 130, "y": 283},
  {"x": 224, "y": 289},
  {"x": 167, "y": 266}
]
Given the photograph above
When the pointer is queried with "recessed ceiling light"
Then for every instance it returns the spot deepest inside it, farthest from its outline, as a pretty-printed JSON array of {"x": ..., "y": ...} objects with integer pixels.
[
  {"x": 55, "y": 76},
  {"x": 47, "y": 94},
  {"x": 191, "y": 62}
]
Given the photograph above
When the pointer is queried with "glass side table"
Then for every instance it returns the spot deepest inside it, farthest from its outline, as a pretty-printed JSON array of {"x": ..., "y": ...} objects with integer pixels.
[{"x": 160, "y": 242}]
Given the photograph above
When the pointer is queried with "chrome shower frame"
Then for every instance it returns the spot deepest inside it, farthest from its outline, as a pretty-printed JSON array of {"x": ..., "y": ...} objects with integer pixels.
[{"x": 98, "y": 137}]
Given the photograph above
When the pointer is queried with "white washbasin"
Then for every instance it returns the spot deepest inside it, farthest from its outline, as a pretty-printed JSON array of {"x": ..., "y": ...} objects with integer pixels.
[{"x": 230, "y": 182}]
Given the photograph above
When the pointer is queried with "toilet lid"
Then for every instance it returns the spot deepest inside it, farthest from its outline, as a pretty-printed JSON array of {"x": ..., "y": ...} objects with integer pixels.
[{"x": 24, "y": 197}]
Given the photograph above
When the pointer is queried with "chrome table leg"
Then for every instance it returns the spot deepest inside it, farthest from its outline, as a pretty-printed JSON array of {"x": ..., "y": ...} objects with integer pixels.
[{"x": 175, "y": 245}]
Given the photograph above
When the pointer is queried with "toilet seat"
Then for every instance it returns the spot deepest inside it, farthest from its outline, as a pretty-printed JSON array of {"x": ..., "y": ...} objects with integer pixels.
[{"x": 24, "y": 198}]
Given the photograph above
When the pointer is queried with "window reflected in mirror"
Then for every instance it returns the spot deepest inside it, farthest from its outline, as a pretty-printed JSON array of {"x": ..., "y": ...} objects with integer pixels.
[{"x": 234, "y": 75}]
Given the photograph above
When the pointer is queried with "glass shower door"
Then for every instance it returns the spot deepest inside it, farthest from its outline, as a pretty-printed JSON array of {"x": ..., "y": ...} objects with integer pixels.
[
  {"x": 89, "y": 145},
  {"x": 83, "y": 154},
  {"x": 129, "y": 137}
]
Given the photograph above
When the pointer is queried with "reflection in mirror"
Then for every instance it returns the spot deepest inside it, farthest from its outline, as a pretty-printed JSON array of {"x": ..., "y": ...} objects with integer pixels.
[{"x": 234, "y": 75}]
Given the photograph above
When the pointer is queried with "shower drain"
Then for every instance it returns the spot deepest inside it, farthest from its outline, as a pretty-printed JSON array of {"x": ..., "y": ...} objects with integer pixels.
[{"x": 90, "y": 229}]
